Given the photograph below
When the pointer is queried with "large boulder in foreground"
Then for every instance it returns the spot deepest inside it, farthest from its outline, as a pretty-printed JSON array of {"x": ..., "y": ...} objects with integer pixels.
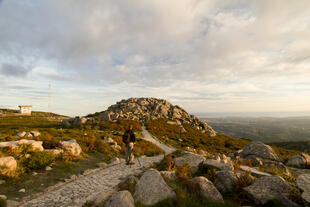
[
  {"x": 71, "y": 147},
  {"x": 259, "y": 149},
  {"x": 267, "y": 188},
  {"x": 303, "y": 182},
  {"x": 151, "y": 188},
  {"x": 299, "y": 161},
  {"x": 206, "y": 189},
  {"x": 8, "y": 166},
  {"x": 225, "y": 181},
  {"x": 191, "y": 159},
  {"x": 121, "y": 199}
]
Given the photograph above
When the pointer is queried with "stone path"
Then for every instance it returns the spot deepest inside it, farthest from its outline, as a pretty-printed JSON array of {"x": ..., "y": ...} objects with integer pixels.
[
  {"x": 87, "y": 187},
  {"x": 148, "y": 137}
]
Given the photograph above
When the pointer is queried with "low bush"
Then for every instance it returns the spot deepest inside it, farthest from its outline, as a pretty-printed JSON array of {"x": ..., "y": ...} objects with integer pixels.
[{"x": 39, "y": 160}]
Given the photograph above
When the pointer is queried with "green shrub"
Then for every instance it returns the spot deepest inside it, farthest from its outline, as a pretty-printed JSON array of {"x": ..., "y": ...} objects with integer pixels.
[{"x": 39, "y": 160}]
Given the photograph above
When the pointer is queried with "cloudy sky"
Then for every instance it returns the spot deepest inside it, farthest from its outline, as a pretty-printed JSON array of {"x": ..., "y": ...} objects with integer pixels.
[{"x": 204, "y": 55}]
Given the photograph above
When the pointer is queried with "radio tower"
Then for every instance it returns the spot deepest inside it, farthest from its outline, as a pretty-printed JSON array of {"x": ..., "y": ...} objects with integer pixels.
[{"x": 49, "y": 99}]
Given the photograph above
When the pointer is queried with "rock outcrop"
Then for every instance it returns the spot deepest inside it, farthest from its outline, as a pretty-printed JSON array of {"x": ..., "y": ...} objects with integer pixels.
[
  {"x": 206, "y": 189},
  {"x": 220, "y": 162},
  {"x": 8, "y": 166},
  {"x": 151, "y": 188},
  {"x": 36, "y": 145},
  {"x": 71, "y": 147},
  {"x": 267, "y": 188},
  {"x": 260, "y": 150},
  {"x": 142, "y": 109},
  {"x": 303, "y": 182},
  {"x": 225, "y": 181},
  {"x": 191, "y": 159},
  {"x": 121, "y": 199},
  {"x": 299, "y": 161}
]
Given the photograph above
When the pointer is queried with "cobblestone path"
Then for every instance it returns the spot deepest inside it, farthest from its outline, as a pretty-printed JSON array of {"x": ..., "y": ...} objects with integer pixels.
[
  {"x": 148, "y": 137},
  {"x": 100, "y": 181}
]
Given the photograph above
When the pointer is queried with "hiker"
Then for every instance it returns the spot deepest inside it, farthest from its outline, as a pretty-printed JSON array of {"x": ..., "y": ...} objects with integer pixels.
[{"x": 129, "y": 139}]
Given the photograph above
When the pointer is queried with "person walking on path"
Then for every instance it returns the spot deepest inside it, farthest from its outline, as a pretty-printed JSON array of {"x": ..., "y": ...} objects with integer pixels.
[{"x": 129, "y": 139}]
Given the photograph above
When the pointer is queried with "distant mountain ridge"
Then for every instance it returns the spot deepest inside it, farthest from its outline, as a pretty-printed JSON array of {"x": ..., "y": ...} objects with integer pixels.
[{"x": 143, "y": 109}]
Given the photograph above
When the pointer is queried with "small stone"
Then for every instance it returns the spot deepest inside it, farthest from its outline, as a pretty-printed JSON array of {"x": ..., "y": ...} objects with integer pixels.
[
  {"x": 48, "y": 168},
  {"x": 22, "y": 190},
  {"x": 102, "y": 165},
  {"x": 34, "y": 173},
  {"x": 3, "y": 197},
  {"x": 2, "y": 182}
]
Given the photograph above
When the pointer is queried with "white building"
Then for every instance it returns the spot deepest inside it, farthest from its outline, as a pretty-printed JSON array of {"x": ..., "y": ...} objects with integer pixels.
[{"x": 25, "y": 109}]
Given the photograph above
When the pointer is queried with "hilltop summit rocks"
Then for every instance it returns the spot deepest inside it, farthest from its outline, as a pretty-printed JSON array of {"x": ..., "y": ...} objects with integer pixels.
[{"x": 142, "y": 109}]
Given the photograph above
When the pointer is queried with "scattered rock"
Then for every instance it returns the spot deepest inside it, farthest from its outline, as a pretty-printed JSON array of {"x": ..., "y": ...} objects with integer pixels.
[
  {"x": 299, "y": 161},
  {"x": 36, "y": 145},
  {"x": 2, "y": 182},
  {"x": 206, "y": 189},
  {"x": 225, "y": 181},
  {"x": 303, "y": 182},
  {"x": 71, "y": 147},
  {"x": 8, "y": 166},
  {"x": 20, "y": 134},
  {"x": 35, "y": 133},
  {"x": 259, "y": 149},
  {"x": 34, "y": 173},
  {"x": 48, "y": 168},
  {"x": 141, "y": 109},
  {"x": 220, "y": 162},
  {"x": 171, "y": 122},
  {"x": 191, "y": 159},
  {"x": 3, "y": 197},
  {"x": 151, "y": 188},
  {"x": 253, "y": 171},
  {"x": 109, "y": 141},
  {"x": 28, "y": 135},
  {"x": 22, "y": 190},
  {"x": 102, "y": 164},
  {"x": 121, "y": 199},
  {"x": 115, "y": 160},
  {"x": 267, "y": 188},
  {"x": 169, "y": 175},
  {"x": 55, "y": 151}
]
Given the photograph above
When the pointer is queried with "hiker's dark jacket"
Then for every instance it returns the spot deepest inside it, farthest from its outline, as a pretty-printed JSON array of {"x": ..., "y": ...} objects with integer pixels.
[{"x": 131, "y": 134}]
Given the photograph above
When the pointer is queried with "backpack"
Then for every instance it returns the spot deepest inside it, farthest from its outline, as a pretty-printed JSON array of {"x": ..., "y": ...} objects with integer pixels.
[{"x": 126, "y": 137}]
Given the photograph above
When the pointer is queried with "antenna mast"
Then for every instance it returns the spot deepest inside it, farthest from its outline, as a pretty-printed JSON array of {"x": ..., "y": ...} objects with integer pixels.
[{"x": 49, "y": 97}]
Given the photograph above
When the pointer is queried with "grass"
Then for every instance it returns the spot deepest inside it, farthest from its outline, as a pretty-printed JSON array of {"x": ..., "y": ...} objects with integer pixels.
[
  {"x": 89, "y": 137},
  {"x": 170, "y": 134},
  {"x": 61, "y": 170}
]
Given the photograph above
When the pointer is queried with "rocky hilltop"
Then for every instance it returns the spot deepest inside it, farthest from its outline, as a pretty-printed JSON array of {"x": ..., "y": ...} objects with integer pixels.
[{"x": 143, "y": 109}]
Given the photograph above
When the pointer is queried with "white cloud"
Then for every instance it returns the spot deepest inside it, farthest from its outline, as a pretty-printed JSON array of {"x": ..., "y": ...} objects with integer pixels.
[{"x": 212, "y": 52}]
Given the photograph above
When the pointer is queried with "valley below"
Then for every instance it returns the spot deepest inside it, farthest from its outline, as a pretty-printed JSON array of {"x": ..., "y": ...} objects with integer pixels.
[{"x": 287, "y": 132}]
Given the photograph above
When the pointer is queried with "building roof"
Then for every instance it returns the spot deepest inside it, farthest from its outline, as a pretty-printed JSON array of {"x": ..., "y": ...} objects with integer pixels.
[{"x": 21, "y": 106}]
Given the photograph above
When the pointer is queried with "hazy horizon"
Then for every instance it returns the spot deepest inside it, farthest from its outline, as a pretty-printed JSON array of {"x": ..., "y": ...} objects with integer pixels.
[{"x": 206, "y": 56}]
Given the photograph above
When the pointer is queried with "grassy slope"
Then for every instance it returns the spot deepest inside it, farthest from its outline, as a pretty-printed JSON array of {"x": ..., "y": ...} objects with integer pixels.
[
  {"x": 88, "y": 136},
  {"x": 194, "y": 138}
]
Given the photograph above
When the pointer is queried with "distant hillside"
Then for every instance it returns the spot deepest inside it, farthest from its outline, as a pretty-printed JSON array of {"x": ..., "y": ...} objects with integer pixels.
[
  {"x": 14, "y": 112},
  {"x": 300, "y": 146},
  {"x": 292, "y": 129}
]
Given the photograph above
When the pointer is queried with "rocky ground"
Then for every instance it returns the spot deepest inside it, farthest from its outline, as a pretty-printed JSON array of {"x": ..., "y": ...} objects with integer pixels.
[{"x": 96, "y": 182}]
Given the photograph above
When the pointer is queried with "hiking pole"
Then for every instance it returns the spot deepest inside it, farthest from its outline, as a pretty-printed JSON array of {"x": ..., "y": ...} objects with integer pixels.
[{"x": 137, "y": 157}]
